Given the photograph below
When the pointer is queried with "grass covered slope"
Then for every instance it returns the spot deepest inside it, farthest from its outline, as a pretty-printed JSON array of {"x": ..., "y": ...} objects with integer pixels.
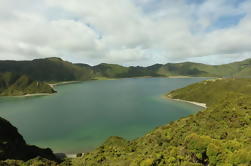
[
  {"x": 16, "y": 85},
  {"x": 212, "y": 91},
  {"x": 219, "y": 135}
]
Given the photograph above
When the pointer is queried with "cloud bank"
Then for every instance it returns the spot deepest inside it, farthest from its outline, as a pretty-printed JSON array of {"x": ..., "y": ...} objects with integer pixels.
[{"x": 127, "y": 32}]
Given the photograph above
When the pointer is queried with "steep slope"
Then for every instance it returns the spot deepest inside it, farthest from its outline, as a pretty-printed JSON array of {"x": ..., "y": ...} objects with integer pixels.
[
  {"x": 219, "y": 135},
  {"x": 15, "y": 85},
  {"x": 49, "y": 69},
  {"x": 13, "y": 146}
]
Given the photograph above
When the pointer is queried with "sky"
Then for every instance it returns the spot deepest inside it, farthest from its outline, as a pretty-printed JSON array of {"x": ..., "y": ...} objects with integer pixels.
[{"x": 126, "y": 32}]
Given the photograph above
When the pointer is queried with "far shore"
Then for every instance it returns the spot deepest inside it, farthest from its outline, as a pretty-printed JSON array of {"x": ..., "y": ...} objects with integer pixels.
[
  {"x": 106, "y": 78},
  {"x": 34, "y": 94},
  {"x": 62, "y": 83},
  {"x": 191, "y": 102},
  {"x": 188, "y": 77},
  {"x": 53, "y": 84}
]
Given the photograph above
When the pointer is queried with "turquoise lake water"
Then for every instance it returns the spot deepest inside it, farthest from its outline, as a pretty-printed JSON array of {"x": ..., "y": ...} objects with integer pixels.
[{"x": 83, "y": 115}]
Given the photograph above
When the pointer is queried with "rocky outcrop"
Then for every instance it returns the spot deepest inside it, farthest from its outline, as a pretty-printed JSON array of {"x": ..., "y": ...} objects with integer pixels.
[{"x": 13, "y": 145}]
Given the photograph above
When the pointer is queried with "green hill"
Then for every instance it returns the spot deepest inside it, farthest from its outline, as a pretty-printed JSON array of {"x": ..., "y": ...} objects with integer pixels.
[
  {"x": 49, "y": 69},
  {"x": 16, "y": 85},
  {"x": 109, "y": 70},
  {"x": 184, "y": 69},
  {"x": 236, "y": 69},
  {"x": 57, "y": 70},
  {"x": 212, "y": 91},
  {"x": 117, "y": 71}
]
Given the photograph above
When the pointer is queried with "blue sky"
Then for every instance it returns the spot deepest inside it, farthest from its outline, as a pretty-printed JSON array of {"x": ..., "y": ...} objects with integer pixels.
[{"x": 126, "y": 32}]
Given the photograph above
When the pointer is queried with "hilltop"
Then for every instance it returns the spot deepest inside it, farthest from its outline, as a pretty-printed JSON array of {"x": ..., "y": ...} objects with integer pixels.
[{"x": 12, "y": 84}]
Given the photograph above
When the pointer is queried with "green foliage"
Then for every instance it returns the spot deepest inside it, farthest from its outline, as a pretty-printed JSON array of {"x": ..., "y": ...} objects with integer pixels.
[
  {"x": 15, "y": 85},
  {"x": 197, "y": 144}
]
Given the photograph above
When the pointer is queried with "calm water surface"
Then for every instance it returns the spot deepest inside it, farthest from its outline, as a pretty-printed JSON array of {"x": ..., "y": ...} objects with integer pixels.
[{"x": 81, "y": 116}]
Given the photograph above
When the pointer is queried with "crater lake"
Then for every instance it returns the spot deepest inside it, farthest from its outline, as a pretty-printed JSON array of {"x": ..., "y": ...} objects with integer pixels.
[{"x": 83, "y": 115}]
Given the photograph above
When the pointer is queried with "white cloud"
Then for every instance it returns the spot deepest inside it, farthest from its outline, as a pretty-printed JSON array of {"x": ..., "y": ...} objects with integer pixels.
[{"x": 122, "y": 31}]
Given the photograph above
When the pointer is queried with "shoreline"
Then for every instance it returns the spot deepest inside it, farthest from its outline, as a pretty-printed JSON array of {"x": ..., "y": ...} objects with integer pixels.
[
  {"x": 52, "y": 85},
  {"x": 203, "y": 105},
  {"x": 33, "y": 94},
  {"x": 188, "y": 77},
  {"x": 36, "y": 94}
]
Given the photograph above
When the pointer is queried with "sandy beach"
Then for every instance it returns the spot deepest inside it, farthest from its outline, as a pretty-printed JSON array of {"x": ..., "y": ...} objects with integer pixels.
[
  {"x": 192, "y": 102},
  {"x": 34, "y": 94},
  {"x": 62, "y": 83}
]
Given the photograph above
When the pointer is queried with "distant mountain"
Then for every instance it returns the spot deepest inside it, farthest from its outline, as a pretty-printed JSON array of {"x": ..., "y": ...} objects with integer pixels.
[
  {"x": 13, "y": 146},
  {"x": 236, "y": 69},
  {"x": 12, "y": 84},
  {"x": 109, "y": 70},
  {"x": 56, "y": 70}
]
